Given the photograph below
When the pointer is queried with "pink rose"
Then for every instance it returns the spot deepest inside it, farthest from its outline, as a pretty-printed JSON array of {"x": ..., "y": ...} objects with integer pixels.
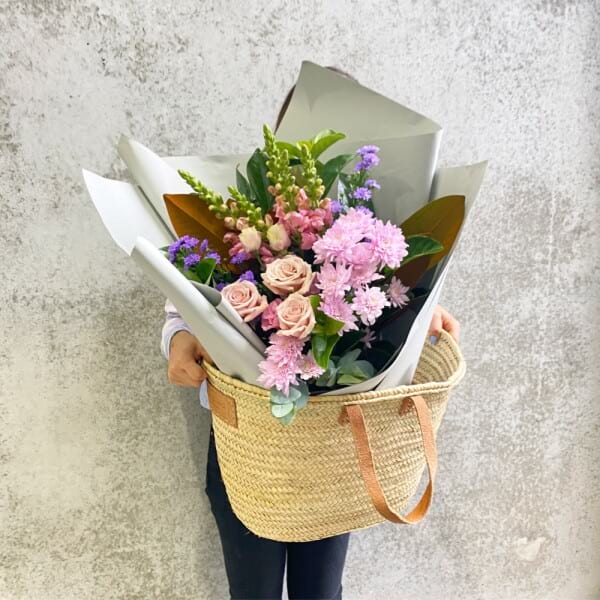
[
  {"x": 250, "y": 239},
  {"x": 245, "y": 299},
  {"x": 289, "y": 274},
  {"x": 278, "y": 237},
  {"x": 296, "y": 316},
  {"x": 269, "y": 318}
]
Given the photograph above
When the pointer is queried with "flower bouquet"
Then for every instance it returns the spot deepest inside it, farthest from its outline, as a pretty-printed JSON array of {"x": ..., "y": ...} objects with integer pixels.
[{"x": 316, "y": 278}]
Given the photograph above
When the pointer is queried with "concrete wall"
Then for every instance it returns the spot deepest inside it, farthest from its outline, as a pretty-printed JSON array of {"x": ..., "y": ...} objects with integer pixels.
[{"x": 102, "y": 492}]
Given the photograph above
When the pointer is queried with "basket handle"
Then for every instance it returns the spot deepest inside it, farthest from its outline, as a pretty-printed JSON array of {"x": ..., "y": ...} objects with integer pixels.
[{"x": 367, "y": 468}]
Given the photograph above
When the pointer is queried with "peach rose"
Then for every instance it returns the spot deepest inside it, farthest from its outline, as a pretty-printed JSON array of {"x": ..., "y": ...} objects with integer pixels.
[
  {"x": 289, "y": 274},
  {"x": 296, "y": 316},
  {"x": 244, "y": 298}
]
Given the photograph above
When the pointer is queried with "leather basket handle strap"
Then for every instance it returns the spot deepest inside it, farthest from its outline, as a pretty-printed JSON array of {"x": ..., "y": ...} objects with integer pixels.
[{"x": 367, "y": 468}]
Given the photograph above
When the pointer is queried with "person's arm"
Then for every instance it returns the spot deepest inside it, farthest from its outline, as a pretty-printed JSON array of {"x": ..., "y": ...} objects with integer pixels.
[{"x": 183, "y": 351}]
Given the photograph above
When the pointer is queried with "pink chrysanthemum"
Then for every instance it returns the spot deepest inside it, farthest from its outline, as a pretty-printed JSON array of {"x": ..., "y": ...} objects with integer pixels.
[
  {"x": 389, "y": 245},
  {"x": 334, "y": 280},
  {"x": 368, "y": 303},
  {"x": 340, "y": 310},
  {"x": 397, "y": 293},
  {"x": 282, "y": 365},
  {"x": 309, "y": 368}
]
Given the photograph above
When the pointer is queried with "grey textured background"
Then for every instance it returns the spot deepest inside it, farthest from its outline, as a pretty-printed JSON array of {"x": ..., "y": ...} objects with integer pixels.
[{"x": 102, "y": 492}]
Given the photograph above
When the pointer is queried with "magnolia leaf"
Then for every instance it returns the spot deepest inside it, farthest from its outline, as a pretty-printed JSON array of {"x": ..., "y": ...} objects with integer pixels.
[
  {"x": 440, "y": 219},
  {"x": 256, "y": 170},
  {"x": 409, "y": 274},
  {"x": 333, "y": 168},
  {"x": 323, "y": 140},
  {"x": 421, "y": 245},
  {"x": 190, "y": 216}
]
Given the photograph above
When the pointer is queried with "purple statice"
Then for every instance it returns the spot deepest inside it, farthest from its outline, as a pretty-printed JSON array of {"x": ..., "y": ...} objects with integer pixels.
[
  {"x": 247, "y": 276},
  {"x": 368, "y": 158},
  {"x": 220, "y": 286},
  {"x": 364, "y": 210},
  {"x": 240, "y": 257},
  {"x": 188, "y": 242},
  {"x": 372, "y": 184},
  {"x": 336, "y": 207},
  {"x": 203, "y": 245},
  {"x": 362, "y": 193},
  {"x": 191, "y": 260},
  {"x": 214, "y": 255}
]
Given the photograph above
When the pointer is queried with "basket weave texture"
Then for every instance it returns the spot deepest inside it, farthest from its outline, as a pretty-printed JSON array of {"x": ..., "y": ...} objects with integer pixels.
[{"x": 303, "y": 481}]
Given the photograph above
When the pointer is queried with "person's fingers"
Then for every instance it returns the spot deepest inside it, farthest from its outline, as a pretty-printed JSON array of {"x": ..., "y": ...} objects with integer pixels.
[
  {"x": 450, "y": 324},
  {"x": 435, "y": 327},
  {"x": 195, "y": 373},
  {"x": 201, "y": 353}
]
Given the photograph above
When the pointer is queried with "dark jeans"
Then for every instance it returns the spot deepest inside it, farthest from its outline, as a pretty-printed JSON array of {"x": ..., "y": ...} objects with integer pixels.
[{"x": 255, "y": 565}]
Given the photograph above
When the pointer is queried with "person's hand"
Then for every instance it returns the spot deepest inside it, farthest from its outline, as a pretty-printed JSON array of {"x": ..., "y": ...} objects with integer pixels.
[
  {"x": 442, "y": 319},
  {"x": 184, "y": 354}
]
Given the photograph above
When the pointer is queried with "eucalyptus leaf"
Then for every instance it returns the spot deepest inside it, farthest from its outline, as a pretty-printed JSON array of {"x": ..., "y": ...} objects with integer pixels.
[
  {"x": 327, "y": 379},
  {"x": 348, "y": 380},
  {"x": 280, "y": 410},
  {"x": 347, "y": 359},
  {"x": 421, "y": 245},
  {"x": 360, "y": 369},
  {"x": 288, "y": 418}
]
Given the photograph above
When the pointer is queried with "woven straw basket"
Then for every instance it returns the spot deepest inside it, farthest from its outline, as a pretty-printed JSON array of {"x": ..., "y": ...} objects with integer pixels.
[{"x": 344, "y": 463}]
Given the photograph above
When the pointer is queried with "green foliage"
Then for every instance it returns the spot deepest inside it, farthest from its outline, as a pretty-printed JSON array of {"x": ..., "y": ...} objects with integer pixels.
[
  {"x": 256, "y": 170},
  {"x": 278, "y": 163},
  {"x": 346, "y": 371},
  {"x": 332, "y": 169},
  {"x": 215, "y": 201},
  {"x": 284, "y": 408},
  {"x": 313, "y": 184},
  {"x": 421, "y": 245}
]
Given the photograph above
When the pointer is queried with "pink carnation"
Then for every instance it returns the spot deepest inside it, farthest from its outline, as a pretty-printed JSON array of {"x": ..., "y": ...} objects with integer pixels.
[{"x": 268, "y": 319}]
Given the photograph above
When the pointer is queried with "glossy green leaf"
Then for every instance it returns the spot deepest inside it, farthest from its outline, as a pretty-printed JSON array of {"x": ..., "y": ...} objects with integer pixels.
[
  {"x": 421, "y": 245},
  {"x": 256, "y": 170},
  {"x": 323, "y": 140},
  {"x": 293, "y": 150},
  {"x": 322, "y": 346},
  {"x": 242, "y": 184},
  {"x": 330, "y": 170}
]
